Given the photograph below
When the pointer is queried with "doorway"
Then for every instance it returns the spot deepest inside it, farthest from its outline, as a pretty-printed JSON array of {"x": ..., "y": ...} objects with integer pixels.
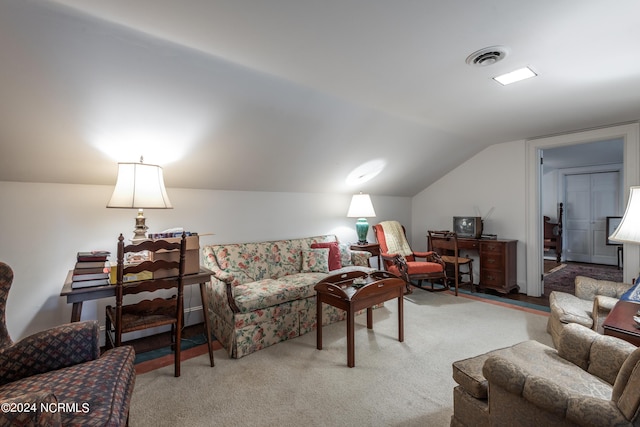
[
  {"x": 629, "y": 134},
  {"x": 590, "y": 199}
]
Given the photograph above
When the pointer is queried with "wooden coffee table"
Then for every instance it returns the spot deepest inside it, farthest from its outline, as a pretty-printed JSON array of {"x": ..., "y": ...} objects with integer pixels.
[
  {"x": 339, "y": 291},
  {"x": 619, "y": 323}
]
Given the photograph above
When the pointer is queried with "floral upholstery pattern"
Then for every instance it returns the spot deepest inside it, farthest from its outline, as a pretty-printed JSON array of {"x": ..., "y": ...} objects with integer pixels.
[
  {"x": 263, "y": 293},
  {"x": 315, "y": 260},
  {"x": 530, "y": 384},
  {"x": 62, "y": 365}
]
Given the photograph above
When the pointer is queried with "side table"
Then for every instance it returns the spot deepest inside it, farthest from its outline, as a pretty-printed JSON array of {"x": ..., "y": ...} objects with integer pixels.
[
  {"x": 340, "y": 291},
  {"x": 619, "y": 322},
  {"x": 372, "y": 248}
]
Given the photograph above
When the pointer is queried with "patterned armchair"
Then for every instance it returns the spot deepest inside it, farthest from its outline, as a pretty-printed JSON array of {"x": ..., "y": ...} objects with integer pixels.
[{"x": 57, "y": 377}]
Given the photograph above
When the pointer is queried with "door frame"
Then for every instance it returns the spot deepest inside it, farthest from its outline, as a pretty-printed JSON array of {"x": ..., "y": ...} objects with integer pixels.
[{"x": 630, "y": 134}]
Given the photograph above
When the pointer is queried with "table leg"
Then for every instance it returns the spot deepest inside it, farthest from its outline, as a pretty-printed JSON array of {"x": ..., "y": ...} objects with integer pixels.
[
  {"x": 76, "y": 311},
  {"x": 369, "y": 318},
  {"x": 401, "y": 318},
  {"x": 205, "y": 313},
  {"x": 350, "y": 338},
  {"x": 318, "y": 323}
]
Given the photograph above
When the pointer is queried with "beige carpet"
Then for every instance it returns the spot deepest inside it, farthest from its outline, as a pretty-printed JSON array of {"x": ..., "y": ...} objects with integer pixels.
[{"x": 294, "y": 384}]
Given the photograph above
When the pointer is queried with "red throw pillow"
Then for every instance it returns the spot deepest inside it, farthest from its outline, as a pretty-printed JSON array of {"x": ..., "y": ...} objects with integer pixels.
[{"x": 334, "y": 254}]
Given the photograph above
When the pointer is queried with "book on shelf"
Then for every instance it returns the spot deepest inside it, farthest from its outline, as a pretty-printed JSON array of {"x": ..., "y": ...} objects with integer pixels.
[
  {"x": 93, "y": 256},
  {"x": 103, "y": 268},
  {"x": 89, "y": 283},
  {"x": 91, "y": 276},
  {"x": 90, "y": 265}
]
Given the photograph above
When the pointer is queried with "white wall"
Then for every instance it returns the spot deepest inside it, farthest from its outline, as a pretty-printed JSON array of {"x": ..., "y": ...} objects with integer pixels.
[
  {"x": 493, "y": 180},
  {"x": 44, "y": 225}
]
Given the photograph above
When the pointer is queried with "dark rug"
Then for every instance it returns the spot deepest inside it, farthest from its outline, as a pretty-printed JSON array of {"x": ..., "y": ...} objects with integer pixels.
[{"x": 564, "y": 279}]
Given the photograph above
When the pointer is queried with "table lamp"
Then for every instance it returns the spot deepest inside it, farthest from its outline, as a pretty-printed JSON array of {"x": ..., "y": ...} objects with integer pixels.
[
  {"x": 139, "y": 186},
  {"x": 629, "y": 229},
  {"x": 361, "y": 208}
]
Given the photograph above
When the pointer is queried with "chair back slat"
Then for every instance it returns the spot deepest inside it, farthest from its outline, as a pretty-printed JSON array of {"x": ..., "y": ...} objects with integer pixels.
[
  {"x": 152, "y": 266},
  {"x": 166, "y": 309}
]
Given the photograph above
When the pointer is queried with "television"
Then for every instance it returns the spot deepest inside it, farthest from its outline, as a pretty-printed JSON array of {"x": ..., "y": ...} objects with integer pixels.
[{"x": 468, "y": 226}]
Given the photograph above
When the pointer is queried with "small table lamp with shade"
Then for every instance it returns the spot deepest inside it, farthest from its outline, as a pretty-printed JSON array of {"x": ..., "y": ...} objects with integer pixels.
[
  {"x": 629, "y": 229},
  {"x": 139, "y": 186},
  {"x": 361, "y": 208},
  {"x": 629, "y": 232}
]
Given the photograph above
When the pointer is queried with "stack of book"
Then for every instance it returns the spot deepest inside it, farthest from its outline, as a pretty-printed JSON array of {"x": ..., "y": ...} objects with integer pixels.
[{"x": 92, "y": 269}]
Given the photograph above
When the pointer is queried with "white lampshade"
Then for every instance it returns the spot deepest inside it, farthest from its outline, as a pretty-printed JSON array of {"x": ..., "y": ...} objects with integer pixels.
[
  {"x": 629, "y": 229},
  {"x": 361, "y": 207},
  {"x": 140, "y": 186}
]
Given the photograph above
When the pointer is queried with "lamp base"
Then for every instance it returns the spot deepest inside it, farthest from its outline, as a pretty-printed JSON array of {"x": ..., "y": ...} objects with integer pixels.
[
  {"x": 362, "y": 229},
  {"x": 140, "y": 232}
]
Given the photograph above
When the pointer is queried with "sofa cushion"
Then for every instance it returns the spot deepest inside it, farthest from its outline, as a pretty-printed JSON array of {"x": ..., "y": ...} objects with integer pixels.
[
  {"x": 335, "y": 261},
  {"x": 315, "y": 261},
  {"x": 625, "y": 389},
  {"x": 270, "y": 292},
  {"x": 345, "y": 254},
  {"x": 245, "y": 262}
]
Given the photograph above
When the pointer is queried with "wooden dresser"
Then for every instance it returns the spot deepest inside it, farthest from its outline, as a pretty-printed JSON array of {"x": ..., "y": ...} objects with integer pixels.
[{"x": 498, "y": 262}]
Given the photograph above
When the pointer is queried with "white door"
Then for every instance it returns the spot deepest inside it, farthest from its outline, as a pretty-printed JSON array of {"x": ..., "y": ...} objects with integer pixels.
[{"x": 590, "y": 198}]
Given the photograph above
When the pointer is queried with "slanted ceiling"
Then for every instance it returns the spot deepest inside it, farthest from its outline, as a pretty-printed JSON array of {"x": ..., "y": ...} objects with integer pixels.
[{"x": 290, "y": 95}]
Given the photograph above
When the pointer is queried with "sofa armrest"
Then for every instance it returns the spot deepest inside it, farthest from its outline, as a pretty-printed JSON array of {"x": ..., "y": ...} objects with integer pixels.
[
  {"x": 27, "y": 410},
  {"x": 602, "y": 306},
  {"x": 360, "y": 258},
  {"x": 49, "y": 350}
]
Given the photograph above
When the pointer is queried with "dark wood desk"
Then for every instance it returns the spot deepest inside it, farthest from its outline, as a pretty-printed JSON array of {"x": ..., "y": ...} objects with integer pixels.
[
  {"x": 338, "y": 291},
  {"x": 619, "y": 322},
  {"x": 498, "y": 262},
  {"x": 78, "y": 296}
]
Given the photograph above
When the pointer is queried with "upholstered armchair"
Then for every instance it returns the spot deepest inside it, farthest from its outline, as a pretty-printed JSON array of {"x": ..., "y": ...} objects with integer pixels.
[
  {"x": 62, "y": 366},
  {"x": 590, "y": 380},
  {"x": 401, "y": 260},
  {"x": 589, "y": 307}
]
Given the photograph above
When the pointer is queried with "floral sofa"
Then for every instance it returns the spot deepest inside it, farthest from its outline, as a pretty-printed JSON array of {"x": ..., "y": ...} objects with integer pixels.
[
  {"x": 590, "y": 380},
  {"x": 263, "y": 293}
]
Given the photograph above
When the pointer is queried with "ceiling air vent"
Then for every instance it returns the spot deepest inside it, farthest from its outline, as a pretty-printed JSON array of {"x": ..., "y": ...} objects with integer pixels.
[{"x": 487, "y": 56}]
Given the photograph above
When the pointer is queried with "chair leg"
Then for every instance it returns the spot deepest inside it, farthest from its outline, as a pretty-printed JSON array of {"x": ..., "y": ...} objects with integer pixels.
[{"x": 177, "y": 354}]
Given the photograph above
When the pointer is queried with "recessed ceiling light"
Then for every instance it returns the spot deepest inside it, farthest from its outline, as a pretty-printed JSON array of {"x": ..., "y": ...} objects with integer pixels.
[{"x": 515, "y": 76}]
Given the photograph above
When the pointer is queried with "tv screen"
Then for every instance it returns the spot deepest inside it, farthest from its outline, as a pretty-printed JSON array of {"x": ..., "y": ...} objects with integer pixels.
[{"x": 468, "y": 226}]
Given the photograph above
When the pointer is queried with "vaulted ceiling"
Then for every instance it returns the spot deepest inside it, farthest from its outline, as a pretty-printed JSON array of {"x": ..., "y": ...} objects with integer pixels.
[{"x": 294, "y": 95}]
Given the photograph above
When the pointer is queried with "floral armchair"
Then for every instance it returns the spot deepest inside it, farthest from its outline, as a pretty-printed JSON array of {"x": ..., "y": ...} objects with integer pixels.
[{"x": 57, "y": 376}]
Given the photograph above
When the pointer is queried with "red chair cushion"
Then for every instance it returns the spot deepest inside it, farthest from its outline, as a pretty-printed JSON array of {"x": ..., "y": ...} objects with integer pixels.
[{"x": 418, "y": 268}]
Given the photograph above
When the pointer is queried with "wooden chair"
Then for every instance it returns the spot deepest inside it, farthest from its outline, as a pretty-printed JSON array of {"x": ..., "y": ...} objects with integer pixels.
[
  {"x": 149, "y": 313},
  {"x": 553, "y": 235},
  {"x": 399, "y": 259},
  {"x": 445, "y": 243}
]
